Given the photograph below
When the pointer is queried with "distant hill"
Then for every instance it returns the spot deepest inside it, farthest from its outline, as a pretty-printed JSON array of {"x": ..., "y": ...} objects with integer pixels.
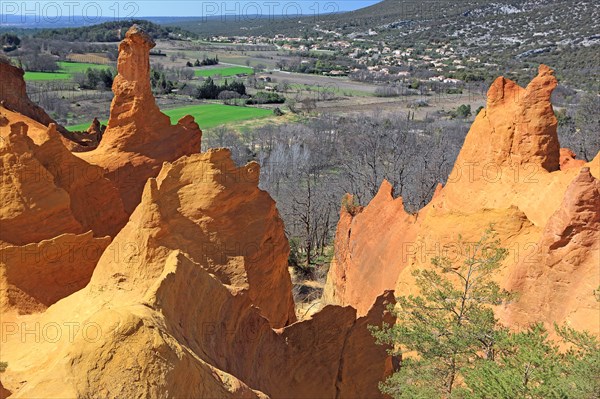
[
  {"x": 562, "y": 33},
  {"x": 29, "y": 21},
  {"x": 113, "y": 31},
  {"x": 508, "y": 35},
  {"x": 476, "y": 21},
  {"x": 382, "y": 13},
  {"x": 472, "y": 20}
]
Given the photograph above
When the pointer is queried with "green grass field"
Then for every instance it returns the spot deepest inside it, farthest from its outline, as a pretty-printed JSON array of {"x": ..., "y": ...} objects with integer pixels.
[
  {"x": 66, "y": 71},
  {"x": 207, "y": 115},
  {"x": 224, "y": 71}
]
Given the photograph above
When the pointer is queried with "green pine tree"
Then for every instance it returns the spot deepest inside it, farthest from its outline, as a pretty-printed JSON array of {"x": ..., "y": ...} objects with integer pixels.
[
  {"x": 529, "y": 365},
  {"x": 449, "y": 325}
]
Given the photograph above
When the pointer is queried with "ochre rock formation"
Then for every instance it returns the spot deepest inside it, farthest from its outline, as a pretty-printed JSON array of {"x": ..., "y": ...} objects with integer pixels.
[
  {"x": 37, "y": 275},
  {"x": 354, "y": 241},
  {"x": 33, "y": 207},
  {"x": 173, "y": 302},
  {"x": 191, "y": 296},
  {"x": 560, "y": 281},
  {"x": 567, "y": 159},
  {"x": 214, "y": 212},
  {"x": 96, "y": 129},
  {"x": 13, "y": 95},
  {"x": 509, "y": 173},
  {"x": 46, "y": 190},
  {"x": 138, "y": 137},
  {"x": 4, "y": 393},
  {"x": 55, "y": 214},
  {"x": 518, "y": 124}
]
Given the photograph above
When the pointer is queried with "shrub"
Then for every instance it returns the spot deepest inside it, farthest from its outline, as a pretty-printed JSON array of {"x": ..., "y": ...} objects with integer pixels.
[
  {"x": 263, "y": 97},
  {"x": 210, "y": 90},
  {"x": 351, "y": 205},
  {"x": 463, "y": 111}
]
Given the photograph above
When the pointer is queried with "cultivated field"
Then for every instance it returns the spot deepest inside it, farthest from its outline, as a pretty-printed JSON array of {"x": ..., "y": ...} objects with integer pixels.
[
  {"x": 223, "y": 71},
  {"x": 93, "y": 58},
  {"x": 326, "y": 83},
  {"x": 206, "y": 115},
  {"x": 66, "y": 72}
]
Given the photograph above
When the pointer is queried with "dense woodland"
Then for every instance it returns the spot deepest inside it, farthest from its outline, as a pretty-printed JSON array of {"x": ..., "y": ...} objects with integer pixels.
[{"x": 112, "y": 31}]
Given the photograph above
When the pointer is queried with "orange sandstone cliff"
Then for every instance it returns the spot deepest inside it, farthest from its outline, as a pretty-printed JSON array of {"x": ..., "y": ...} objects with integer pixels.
[
  {"x": 13, "y": 95},
  {"x": 168, "y": 304},
  {"x": 47, "y": 190},
  {"x": 555, "y": 284},
  {"x": 510, "y": 173},
  {"x": 56, "y": 215},
  {"x": 171, "y": 283}
]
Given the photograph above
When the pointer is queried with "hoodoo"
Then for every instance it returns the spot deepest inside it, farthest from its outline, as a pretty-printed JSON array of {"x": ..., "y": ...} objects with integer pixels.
[
  {"x": 509, "y": 175},
  {"x": 139, "y": 137}
]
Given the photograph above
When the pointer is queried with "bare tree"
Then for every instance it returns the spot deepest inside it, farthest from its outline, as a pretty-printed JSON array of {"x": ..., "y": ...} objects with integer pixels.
[
  {"x": 308, "y": 168},
  {"x": 579, "y": 126}
]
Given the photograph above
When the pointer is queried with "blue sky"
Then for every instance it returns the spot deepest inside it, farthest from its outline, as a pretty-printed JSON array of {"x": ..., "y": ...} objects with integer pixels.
[
  {"x": 177, "y": 8},
  {"x": 201, "y": 8}
]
